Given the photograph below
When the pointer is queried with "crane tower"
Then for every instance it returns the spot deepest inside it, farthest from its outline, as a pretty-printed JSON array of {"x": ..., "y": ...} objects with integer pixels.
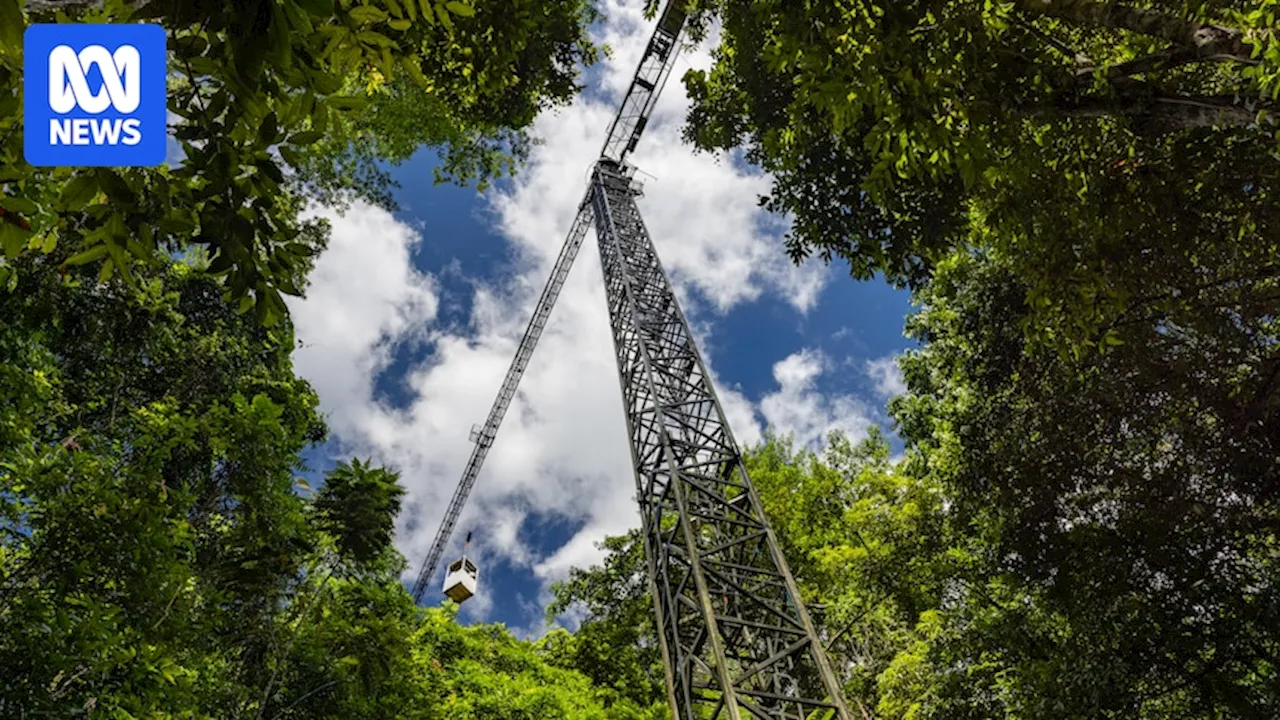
[{"x": 737, "y": 641}]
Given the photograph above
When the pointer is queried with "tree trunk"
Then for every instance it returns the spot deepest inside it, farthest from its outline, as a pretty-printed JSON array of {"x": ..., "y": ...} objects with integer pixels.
[
  {"x": 1157, "y": 113},
  {"x": 41, "y": 6}
]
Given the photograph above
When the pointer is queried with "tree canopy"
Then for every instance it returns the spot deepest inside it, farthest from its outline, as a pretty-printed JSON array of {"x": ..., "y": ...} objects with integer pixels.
[
  {"x": 160, "y": 554},
  {"x": 277, "y": 102},
  {"x": 1113, "y": 152},
  {"x": 1081, "y": 196}
]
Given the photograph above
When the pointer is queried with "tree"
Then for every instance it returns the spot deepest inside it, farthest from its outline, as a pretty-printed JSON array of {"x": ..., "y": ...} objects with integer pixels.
[
  {"x": 1115, "y": 513},
  {"x": 1065, "y": 135},
  {"x": 254, "y": 85},
  {"x": 153, "y": 540},
  {"x": 866, "y": 544},
  {"x": 155, "y": 551},
  {"x": 527, "y": 57},
  {"x": 616, "y": 642},
  {"x": 151, "y": 520},
  {"x": 357, "y": 506}
]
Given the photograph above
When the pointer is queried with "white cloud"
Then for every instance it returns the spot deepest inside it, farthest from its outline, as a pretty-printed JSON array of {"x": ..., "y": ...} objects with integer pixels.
[
  {"x": 886, "y": 375},
  {"x": 364, "y": 295},
  {"x": 562, "y": 448},
  {"x": 798, "y": 408}
]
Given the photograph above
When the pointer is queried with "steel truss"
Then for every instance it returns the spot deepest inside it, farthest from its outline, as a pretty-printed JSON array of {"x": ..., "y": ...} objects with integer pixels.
[
  {"x": 737, "y": 641},
  {"x": 483, "y": 436}
]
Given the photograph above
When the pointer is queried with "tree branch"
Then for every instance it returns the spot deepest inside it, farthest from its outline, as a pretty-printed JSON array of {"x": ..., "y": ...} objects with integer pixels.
[
  {"x": 311, "y": 692},
  {"x": 1152, "y": 110},
  {"x": 1165, "y": 59},
  {"x": 1207, "y": 40},
  {"x": 266, "y": 691},
  {"x": 1076, "y": 57}
]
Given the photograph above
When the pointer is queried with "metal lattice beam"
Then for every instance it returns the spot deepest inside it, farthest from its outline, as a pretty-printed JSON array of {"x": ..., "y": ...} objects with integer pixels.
[
  {"x": 737, "y": 640},
  {"x": 651, "y": 75},
  {"x": 483, "y": 437}
]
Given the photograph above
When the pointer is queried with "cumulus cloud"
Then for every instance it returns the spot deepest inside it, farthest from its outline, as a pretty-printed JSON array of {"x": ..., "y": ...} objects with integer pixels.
[
  {"x": 800, "y": 409},
  {"x": 886, "y": 375},
  {"x": 365, "y": 295},
  {"x": 562, "y": 448}
]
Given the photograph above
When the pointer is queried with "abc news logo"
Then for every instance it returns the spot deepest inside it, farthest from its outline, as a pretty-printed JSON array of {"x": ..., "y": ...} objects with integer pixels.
[
  {"x": 69, "y": 89},
  {"x": 94, "y": 95}
]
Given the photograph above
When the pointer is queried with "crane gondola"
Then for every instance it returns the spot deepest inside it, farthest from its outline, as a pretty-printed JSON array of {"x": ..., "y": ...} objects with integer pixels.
[{"x": 462, "y": 577}]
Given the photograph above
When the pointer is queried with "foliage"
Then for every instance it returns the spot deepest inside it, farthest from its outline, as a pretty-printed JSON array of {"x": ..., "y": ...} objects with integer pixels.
[
  {"x": 151, "y": 524},
  {"x": 154, "y": 553},
  {"x": 866, "y": 545},
  {"x": 255, "y": 85},
  {"x": 524, "y": 58},
  {"x": 1121, "y": 509},
  {"x": 951, "y": 589},
  {"x": 358, "y": 505},
  {"x": 615, "y": 644},
  {"x": 1064, "y": 135}
]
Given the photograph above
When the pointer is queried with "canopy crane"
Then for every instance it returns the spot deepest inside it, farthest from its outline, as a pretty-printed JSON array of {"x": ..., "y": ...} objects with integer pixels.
[
  {"x": 736, "y": 638},
  {"x": 624, "y": 133}
]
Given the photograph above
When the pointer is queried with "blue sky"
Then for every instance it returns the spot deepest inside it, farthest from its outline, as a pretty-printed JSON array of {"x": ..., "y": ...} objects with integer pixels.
[{"x": 411, "y": 321}]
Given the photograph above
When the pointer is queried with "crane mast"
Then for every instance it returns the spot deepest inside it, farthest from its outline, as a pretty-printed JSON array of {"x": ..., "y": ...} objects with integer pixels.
[{"x": 737, "y": 641}]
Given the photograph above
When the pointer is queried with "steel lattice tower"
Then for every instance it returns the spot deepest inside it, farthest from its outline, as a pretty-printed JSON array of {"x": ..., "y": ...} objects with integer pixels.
[
  {"x": 737, "y": 641},
  {"x": 736, "y": 637}
]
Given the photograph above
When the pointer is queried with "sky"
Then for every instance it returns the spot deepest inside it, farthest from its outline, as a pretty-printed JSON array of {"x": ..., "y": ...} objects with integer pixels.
[{"x": 412, "y": 318}]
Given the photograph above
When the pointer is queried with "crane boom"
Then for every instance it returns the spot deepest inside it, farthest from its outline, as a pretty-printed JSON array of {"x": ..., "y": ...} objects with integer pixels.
[
  {"x": 624, "y": 132},
  {"x": 651, "y": 75},
  {"x": 483, "y": 438}
]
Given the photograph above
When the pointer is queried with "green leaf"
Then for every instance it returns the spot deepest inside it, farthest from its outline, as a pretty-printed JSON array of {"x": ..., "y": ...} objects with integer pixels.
[
  {"x": 13, "y": 239},
  {"x": 347, "y": 102},
  {"x": 328, "y": 84},
  {"x": 400, "y": 25},
  {"x": 18, "y": 205},
  {"x": 318, "y": 8},
  {"x": 411, "y": 66},
  {"x": 79, "y": 192},
  {"x": 290, "y": 156},
  {"x": 462, "y": 9},
  {"x": 373, "y": 38},
  {"x": 444, "y": 16},
  {"x": 428, "y": 12},
  {"x": 271, "y": 170},
  {"x": 246, "y": 304},
  {"x": 367, "y": 14},
  {"x": 268, "y": 130},
  {"x": 11, "y": 27},
  {"x": 309, "y": 137}
]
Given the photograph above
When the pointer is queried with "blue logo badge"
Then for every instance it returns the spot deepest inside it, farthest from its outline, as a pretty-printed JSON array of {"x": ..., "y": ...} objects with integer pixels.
[{"x": 94, "y": 95}]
